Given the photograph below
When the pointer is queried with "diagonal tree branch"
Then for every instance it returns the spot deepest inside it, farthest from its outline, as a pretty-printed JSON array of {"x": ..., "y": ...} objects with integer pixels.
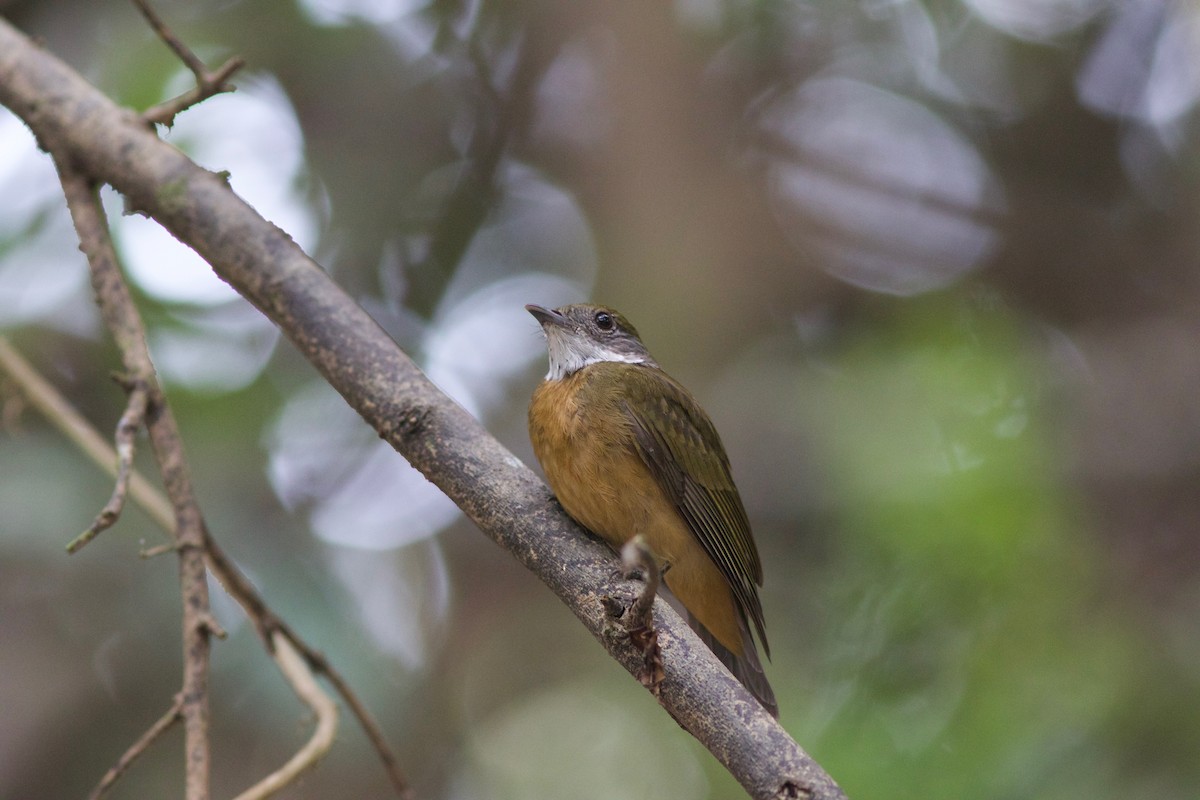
[{"x": 502, "y": 496}]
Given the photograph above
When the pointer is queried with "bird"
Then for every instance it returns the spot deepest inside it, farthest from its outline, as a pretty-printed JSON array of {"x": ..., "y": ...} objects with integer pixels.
[{"x": 627, "y": 450}]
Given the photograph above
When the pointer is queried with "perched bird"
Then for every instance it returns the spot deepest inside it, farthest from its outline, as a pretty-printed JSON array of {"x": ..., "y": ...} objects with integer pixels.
[{"x": 627, "y": 451}]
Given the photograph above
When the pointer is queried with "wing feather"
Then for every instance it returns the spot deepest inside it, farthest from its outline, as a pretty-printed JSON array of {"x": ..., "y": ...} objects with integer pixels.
[{"x": 680, "y": 445}]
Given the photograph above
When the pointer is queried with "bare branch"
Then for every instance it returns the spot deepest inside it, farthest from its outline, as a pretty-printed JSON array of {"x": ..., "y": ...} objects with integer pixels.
[
  {"x": 207, "y": 83},
  {"x": 213, "y": 83},
  {"x": 137, "y": 748},
  {"x": 127, "y": 428},
  {"x": 120, "y": 315}
]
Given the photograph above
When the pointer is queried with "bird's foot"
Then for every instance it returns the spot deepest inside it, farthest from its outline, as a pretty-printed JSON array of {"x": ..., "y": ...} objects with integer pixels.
[{"x": 638, "y": 559}]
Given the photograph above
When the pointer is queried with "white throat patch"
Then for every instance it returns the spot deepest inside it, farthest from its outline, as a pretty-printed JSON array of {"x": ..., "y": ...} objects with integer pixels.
[{"x": 569, "y": 354}]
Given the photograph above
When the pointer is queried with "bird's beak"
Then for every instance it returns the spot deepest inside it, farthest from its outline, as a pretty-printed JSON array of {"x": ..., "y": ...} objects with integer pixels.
[{"x": 547, "y": 316}]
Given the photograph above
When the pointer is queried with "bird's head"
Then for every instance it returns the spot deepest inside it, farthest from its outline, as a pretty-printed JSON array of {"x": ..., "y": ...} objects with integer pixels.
[{"x": 583, "y": 334}]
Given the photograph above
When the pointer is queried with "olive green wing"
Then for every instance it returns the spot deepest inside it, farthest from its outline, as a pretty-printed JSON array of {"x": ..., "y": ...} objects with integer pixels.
[{"x": 679, "y": 444}]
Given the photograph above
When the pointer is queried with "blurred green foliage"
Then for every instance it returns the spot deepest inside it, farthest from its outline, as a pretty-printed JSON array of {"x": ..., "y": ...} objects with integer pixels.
[{"x": 975, "y": 654}]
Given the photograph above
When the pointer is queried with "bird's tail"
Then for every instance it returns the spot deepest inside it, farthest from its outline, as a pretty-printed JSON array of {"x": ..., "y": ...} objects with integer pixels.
[{"x": 746, "y": 668}]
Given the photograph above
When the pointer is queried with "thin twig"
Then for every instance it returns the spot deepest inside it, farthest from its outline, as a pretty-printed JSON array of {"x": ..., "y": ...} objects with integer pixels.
[
  {"x": 137, "y": 748},
  {"x": 292, "y": 664},
  {"x": 43, "y": 397},
  {"x": 190, "y": 59},
  {"x": 165, "y": 112},
  {"x": 121, "y": 316},
  {"x": 207, "y": 83},
  {"x": 156, "y": 551},
  {"x": 127, "y": 428},
  {"x": 214, "y": 627}
]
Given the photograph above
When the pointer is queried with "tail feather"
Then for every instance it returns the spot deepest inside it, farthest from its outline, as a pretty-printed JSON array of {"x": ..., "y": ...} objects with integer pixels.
[{"x": 746, "y": 668}]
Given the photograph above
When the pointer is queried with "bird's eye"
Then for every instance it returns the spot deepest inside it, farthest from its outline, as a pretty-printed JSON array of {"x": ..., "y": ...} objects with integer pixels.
[{"x": 604, "y": 320}]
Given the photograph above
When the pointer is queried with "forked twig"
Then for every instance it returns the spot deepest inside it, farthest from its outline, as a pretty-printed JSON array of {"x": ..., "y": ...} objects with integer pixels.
[{"x": 208, "y": 83}]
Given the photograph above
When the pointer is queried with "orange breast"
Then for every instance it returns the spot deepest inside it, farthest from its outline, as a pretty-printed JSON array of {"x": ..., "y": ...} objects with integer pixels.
[
  {"x": 586, "y": 446},
  {"x": 589, "y": 460}
]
